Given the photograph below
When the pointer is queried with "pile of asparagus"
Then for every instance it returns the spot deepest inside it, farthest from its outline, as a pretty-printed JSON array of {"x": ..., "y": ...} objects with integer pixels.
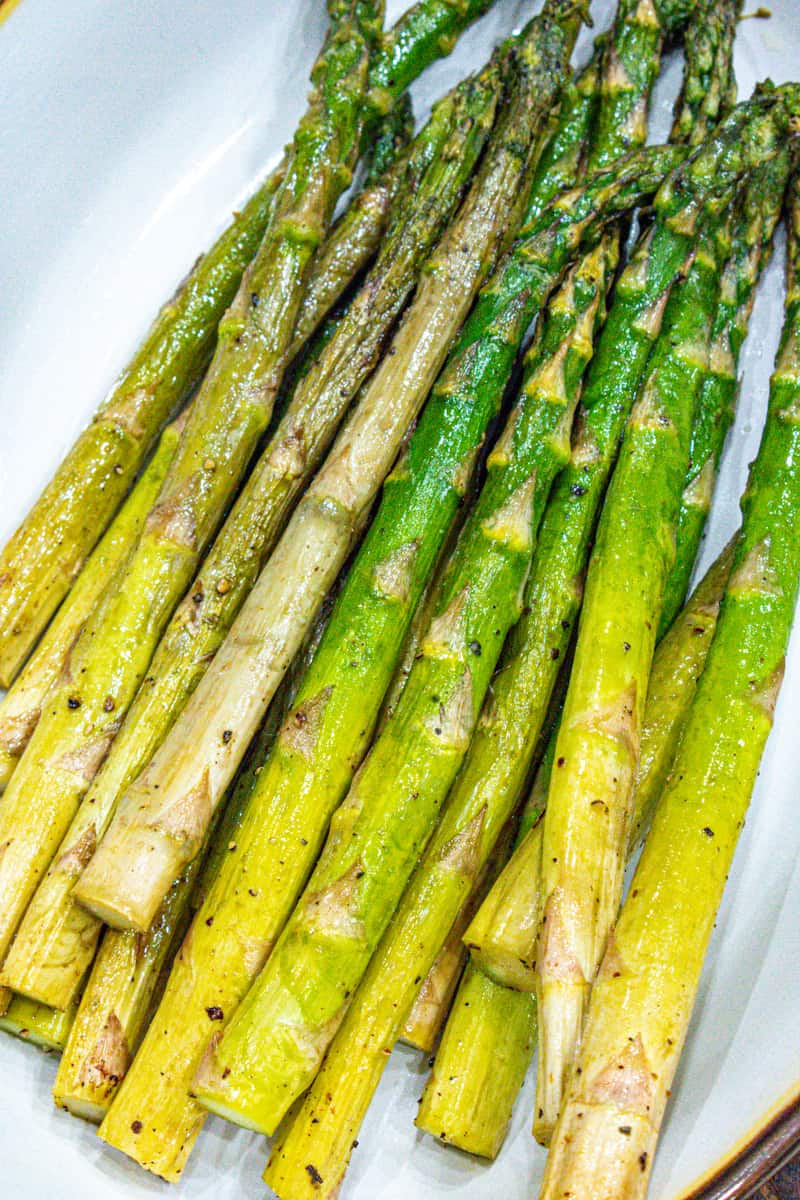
[{"x": 348, "y": 652}]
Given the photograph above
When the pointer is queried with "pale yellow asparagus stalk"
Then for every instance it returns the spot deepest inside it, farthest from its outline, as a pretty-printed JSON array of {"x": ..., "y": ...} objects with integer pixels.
[
  {"x": 39, "y": 1024},
  {"x": 21, "y": 706}
]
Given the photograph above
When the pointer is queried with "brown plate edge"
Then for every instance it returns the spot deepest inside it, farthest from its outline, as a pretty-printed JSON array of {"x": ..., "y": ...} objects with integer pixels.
[{"x": 756, "y": 1159}]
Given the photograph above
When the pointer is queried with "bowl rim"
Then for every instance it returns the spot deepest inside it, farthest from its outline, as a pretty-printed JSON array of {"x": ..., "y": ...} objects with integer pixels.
[{"x": 770, "y": 1145}]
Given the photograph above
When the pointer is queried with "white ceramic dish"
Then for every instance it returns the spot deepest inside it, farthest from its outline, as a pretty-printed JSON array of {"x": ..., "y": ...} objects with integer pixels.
[{"x": 129, "y": 132}]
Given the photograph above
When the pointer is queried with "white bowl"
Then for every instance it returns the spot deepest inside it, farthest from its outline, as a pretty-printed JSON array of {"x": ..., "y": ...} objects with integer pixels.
[{"x": 129, "y": 133}]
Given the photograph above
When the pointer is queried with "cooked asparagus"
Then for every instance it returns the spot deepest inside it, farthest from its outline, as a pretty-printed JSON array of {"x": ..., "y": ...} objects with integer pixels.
[
  {"x": 271, "y": 845},
  {"x": 203, "y": 980},
  {"x": 753, "y": 225},
  {"x": 45, "y": 1027},
  {"x": 535, "y": 441},
  {"x": 588, "y": 814},
  {"x": 486, "y": 1049},
  {"x": 312, "y": 547},
  {"x": 388, "y": 816},
  {"x": 21, "y": 707},
  {"x": 131, "y": 969},
  {"x": 229, "y": 414},
  {"x": 644, "y": 994},
  {"x": 428, "y": 1013},
  {"x": 709, "y": 85},
  {"x": 57, "y": 937},
  {"x": 47, "y": 551}
]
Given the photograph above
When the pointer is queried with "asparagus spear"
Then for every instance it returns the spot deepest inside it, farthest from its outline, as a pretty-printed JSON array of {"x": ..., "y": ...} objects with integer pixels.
[
  {"x": 283, "y": 828},
  {"x": 45, "y": 1027},
  {"x": 709, "y": 85},
  {"x": 22, "y": 705},
  {"x": 48, "y": 549},
  {"x": 503, "y": 935},
  {"x": 463, "y": 1097},
  {"x": 385, "y": 821},
  {"x": 441, "y": 695},
  {"x": 311, "y": 549},
  {"x": 643, "y": 997},
  {"x": 589, "y": 806},
  {"x": 228, "y": 416},
  {"x": 481, "y": 1064},
  {"x": 57, "y": 937},
  {"x": 753, "y": 226},
  {"x": 533, "y": 444},
  {"x": 131, "y": 969},
  {"x": 428, "y": 1013}
]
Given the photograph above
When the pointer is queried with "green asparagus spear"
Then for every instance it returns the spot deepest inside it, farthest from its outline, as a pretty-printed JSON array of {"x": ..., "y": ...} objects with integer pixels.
[
  {"x": 642, "y": 1000},
  {"x": 487, "y": 1046},
  {"x": 21, "y": 707},
  {"x": 57, "y": 936},
  {"x": 709, "y": 84},
  {"x": 534, "y": 443},
  {"x": 45, "y": 1027},
  {"x": 47, "y": 551},
  {"x": 588, "y": 815},
  {"x": 753, "y": 225},
  {"x": 229, "y": 414},
  {"x": 426, "y": 31},
  {"x": 311, "y": 548}
]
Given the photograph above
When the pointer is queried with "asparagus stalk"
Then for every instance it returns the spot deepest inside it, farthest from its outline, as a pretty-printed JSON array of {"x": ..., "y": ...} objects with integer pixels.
[
  {"x": 45, "y": 1027},
  {"x": 463, "y": 1097},
  {"x": 297, "y": 790},
  {"x": 355, "y": 237},
  {"x": 115, "y": 1006},
  {"x": 597, "y": 746},
  {"x": 642, "y": 1000},
  {"x": 57, "y": 936},
  {"x": 388, "y": 816},
  {"x": 21, "y": 707},
  {"x": 47, "y": 551},
  {"x": 486, "y": 1049},
  {"x": 441, "y": 694},
  {"x": 312, "y": 548},
  {"x": 535, "y": 441},
  {"x": 428, "y": 1013},
  {"x": 131, "y": 969},
  {"x": 502, "y": 938},
  {"x": 753, "y": 225},
  {"x": 229, "y": 414},
  {"x": 709, "y": 85}
]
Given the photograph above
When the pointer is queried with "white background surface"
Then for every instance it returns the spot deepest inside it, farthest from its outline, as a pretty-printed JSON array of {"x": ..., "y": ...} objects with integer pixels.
[{"x": 129, "y": 132}]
